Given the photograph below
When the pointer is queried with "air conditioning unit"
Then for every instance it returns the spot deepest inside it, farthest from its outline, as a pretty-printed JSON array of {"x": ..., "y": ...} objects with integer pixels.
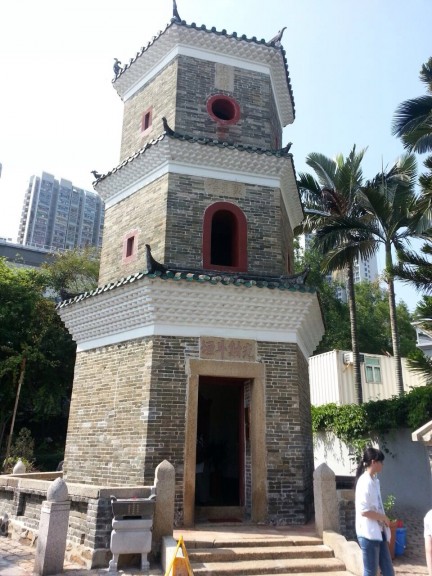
[{"x": 348, "y": 358}]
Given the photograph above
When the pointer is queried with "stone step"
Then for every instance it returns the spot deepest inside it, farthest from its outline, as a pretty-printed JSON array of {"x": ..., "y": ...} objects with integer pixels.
[
  {"x": 231, "y": 554},
  {"x": 333, "y": 573},
  {"x": 243, "y": 542},
  {"x": 269, "y": 566}
]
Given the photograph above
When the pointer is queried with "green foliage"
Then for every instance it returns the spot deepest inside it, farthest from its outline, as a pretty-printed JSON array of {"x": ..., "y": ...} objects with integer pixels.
[
  {"x": 373, "y": 322},
  {"x": 22, "y": 449},
  {"x": 424, "y": 309},
  {"x": 417, "y": 360},
  {"x": 374, "y": 329},
  {"x": 336, "y": 315},
  {"x": 389, "y": 504},
  {"x": 73, "y": 271},
  {"x": 348, "y": 422},
  {"x": 31, "y": 329},
  {"x": 359, "y": 425}
]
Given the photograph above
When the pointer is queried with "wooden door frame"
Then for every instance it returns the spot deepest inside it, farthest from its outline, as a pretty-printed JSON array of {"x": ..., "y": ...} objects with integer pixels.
[{"x": 254, "y": 372}]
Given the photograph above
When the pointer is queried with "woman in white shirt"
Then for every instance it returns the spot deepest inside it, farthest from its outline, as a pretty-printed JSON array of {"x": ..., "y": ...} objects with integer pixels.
[{"x": 372, "y": 524}]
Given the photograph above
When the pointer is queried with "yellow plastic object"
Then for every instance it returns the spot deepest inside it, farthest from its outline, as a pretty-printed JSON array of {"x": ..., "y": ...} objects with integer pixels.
[{"x": 180, "y": 565}]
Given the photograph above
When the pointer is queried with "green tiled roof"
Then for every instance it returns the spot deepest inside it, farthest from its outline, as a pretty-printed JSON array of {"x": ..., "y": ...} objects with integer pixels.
[{"x": 293, "y": 283}]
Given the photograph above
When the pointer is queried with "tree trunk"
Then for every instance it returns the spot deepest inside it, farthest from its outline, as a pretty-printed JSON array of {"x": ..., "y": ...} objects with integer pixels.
[
  {"x": 20, "y": 381},
  {"x": 393, "y": 320},
  {"x": 2, "y": 434},
  {"x": 395, "y": 337},
  {"x": 358, "y": 392}
]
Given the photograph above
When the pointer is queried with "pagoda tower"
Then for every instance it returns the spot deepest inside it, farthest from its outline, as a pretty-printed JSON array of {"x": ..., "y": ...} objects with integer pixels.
[{"x": 195, "y": 346}]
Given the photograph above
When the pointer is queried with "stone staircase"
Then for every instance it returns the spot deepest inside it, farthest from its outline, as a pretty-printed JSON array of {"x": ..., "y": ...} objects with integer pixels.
[{"x": 300, "y": 555}]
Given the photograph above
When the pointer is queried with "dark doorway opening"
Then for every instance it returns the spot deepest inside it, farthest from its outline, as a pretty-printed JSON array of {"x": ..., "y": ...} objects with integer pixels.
[{"x": 220, "y": 443}]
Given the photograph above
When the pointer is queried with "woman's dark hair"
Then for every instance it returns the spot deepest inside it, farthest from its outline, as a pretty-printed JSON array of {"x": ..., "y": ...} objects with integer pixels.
[{"x": 368, "y": 455}]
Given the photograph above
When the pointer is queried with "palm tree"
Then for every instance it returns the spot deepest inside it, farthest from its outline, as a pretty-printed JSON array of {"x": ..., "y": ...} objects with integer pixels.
[
  {"x": 393, "y": 220},
  {"x": 386, "y": 213},
  {"x": 412, "y": 121},
  {"x": 331, "y": 198},
  {"x": 420, "y": 362},
  {"x": 413, "y": 124},
  {"x": 413, "y": 267}
]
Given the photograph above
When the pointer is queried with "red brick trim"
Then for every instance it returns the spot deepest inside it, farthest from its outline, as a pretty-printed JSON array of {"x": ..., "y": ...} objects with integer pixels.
[
  {"x": 146, "y": 121},
  {"x": 223, "y": 109},
  {"x": 130, "y": 247}
]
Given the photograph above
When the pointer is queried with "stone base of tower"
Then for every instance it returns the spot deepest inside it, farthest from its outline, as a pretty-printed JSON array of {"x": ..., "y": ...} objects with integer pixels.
[{"x": 232, "y": 415}]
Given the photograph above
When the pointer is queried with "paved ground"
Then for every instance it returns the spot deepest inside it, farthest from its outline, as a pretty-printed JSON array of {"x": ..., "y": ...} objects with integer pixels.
[{"x": 18, "y": 559}]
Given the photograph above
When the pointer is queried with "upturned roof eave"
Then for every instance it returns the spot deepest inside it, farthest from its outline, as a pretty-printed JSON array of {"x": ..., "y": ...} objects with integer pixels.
[
  {"x": 230, "y": 45},
  {"x": 247, "y": 161},
  {"x": 151, "y": 305}
]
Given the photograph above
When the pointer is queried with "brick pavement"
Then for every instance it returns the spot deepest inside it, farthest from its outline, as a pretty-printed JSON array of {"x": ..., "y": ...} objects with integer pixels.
[{"x": 413, "y": 560}]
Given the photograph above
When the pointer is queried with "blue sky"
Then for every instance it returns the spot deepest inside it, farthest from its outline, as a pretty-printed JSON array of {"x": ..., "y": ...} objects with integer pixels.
[{"x": 350, "y": 62}]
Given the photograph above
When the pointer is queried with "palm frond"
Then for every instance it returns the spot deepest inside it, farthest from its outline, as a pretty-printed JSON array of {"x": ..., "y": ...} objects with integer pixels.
[
  {"x": 426, "y": 74},
  {"x": 422, "y": 365},
  {"x": 412, "y": 123},
  {"x": 415, "y": 269},
  {"x": 324, "y": 167}
]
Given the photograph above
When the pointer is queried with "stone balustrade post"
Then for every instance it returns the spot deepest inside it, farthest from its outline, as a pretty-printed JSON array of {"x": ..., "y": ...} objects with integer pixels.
[
  {"x": 163, "y": 521},
  {"x": 326, "y": 502},
  {"x": 53, "y": 526}
]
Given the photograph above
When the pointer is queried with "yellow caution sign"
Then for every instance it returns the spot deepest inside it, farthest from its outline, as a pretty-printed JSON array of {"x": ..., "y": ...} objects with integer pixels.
[{"x": 180, "y": 565}]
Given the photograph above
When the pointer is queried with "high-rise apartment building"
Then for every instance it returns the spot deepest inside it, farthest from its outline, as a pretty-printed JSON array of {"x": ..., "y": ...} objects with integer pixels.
[{"x": 58, "y": 215}]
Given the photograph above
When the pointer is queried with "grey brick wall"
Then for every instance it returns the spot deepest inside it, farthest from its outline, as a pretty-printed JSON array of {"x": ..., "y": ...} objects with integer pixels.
[
  {"x": 107, "y": 428},
  {"x": 133, "y": 416},
  {"x": 196, "y": 82},
  {"x": 180, "y": 93},
  {"x": 187, "y": 202},
  {"x": 160, "y": 94},
  {"x": 144, "y": 211},
  {"x": 346, "y": 507},
  {"x": 169, "y": 216},
  {"x": 289, "y": 435}
]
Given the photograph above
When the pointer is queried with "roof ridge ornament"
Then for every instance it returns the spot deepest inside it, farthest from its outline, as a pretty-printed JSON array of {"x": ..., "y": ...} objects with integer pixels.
[
  {"x": 152, "y": 265},
  {"x": 176, "y": 15},
  {"x": 167, "y": 129},
  {"x": 278, "y": 38},
  {"x": 117, "y": 67}
]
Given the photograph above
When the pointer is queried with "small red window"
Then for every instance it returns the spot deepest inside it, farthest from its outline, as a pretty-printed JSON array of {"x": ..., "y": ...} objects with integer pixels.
[
  {"x": 223, "y": 109},
  {"x": 130, "y": 247},
  {"x": 146, "y": 121}
]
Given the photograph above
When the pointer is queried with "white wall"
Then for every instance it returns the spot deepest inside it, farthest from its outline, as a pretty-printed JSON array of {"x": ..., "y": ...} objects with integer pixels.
[
  {"x": 331, "y": 380},
  {"x": 406, "y": 472}
]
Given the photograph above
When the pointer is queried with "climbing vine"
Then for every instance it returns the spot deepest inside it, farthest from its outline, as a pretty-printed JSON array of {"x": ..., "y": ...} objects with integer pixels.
[{"x": 360, "y": 425}]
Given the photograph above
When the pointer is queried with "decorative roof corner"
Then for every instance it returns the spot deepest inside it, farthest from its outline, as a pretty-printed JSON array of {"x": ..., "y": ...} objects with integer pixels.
[
  {"x": 178, "y": 35},
  {"x": 171, "y": 149},
  {"x": 182, "y": 303},
  {"x": 294, "y": 282}
]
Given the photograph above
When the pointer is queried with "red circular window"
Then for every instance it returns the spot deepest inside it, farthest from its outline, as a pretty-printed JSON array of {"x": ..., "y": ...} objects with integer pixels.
[{"x": 223, "y": 109}]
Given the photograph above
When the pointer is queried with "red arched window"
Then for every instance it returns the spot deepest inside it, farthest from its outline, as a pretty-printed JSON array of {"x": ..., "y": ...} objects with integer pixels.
[{"x": 225, "y": 238}]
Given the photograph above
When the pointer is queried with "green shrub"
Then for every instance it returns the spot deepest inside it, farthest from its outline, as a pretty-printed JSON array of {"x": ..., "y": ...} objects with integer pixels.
[{"x": 359, "y": 425}]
